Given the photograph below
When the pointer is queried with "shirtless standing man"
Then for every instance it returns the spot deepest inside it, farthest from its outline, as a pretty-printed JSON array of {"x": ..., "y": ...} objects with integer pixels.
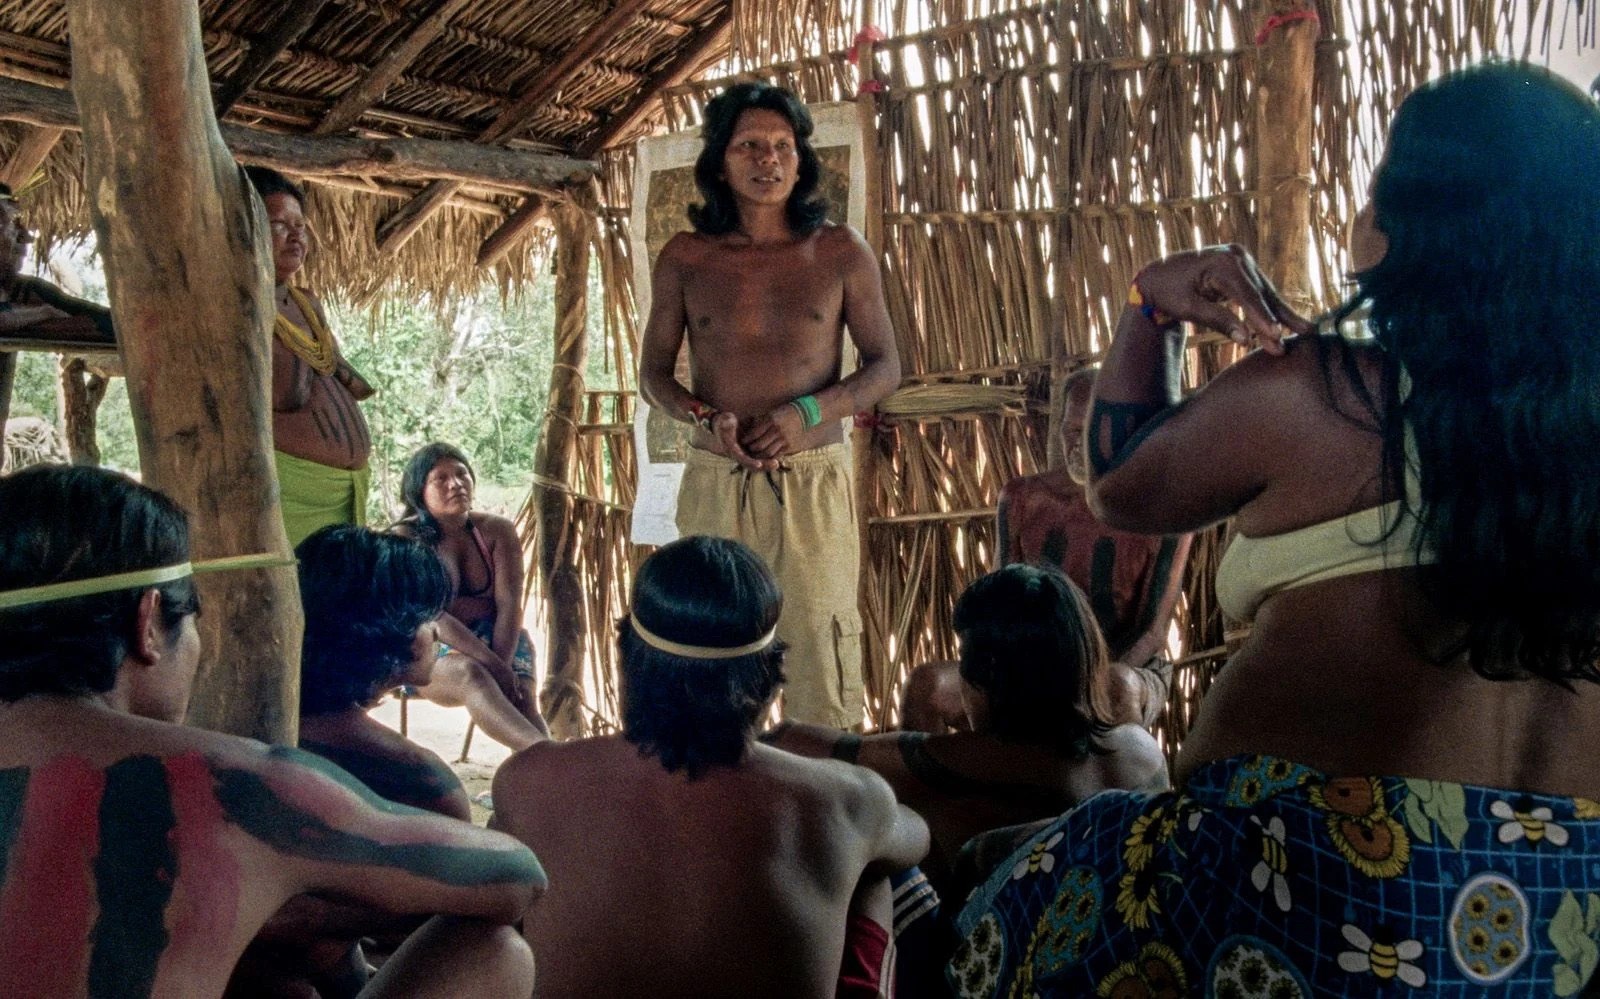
[
  {"x": 763, "y": 289},
  {"x": 319, "y": 436},
  {"x": 138, "y": 856},
  {"x": 1132, "y": 582},
  {"x": 689, "y": 860}
]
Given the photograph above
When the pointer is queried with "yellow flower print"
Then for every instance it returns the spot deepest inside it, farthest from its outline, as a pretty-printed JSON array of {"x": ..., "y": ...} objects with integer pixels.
[
  {"x": 1378, "y": 848},
  {"x": 1148, "y": 833},
  {"x": 1585, "y": 808},
  {"x": 1157, "y": 972},
  {"x": 1136, "y": 898}
]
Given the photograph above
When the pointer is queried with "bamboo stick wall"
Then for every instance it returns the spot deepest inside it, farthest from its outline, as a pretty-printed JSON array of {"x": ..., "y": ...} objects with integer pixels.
[{"x": 1040, "y": 154}]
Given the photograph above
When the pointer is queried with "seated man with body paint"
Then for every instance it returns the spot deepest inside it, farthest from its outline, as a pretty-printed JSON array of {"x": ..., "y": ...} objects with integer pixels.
[
  {"x": 1030, "y": 655},
  {"x": 690, "y": 860},
  {"x": 371, "y": 602},
  {"x": 139, "y": 856},
  {"x": 1132, "y": 582}
]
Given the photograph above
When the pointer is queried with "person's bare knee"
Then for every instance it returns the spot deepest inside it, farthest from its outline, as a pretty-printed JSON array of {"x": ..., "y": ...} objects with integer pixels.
[{"x": 451, "y": 957}]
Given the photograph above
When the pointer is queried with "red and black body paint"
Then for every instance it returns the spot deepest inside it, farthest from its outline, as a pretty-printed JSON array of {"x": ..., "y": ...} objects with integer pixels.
[
  {"x": 1118, "y": 428},
  {"x": 134, "y": 876},
  {"x": 422, "y": 782}
]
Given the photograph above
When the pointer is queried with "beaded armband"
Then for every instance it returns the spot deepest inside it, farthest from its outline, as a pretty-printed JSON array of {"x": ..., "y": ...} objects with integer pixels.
[
  {"x": 701, "y": 414},
  {"x": 810, "y": 410},
  {"x": 1160, "y": 320}
]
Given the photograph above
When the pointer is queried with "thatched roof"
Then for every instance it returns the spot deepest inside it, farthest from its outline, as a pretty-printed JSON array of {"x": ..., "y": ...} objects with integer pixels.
[{"x": 569, "y": 77}]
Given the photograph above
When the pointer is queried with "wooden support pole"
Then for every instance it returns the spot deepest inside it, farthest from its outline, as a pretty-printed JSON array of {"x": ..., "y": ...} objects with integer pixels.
[
  {"x": 83, "y": 389},
  {"x": 346, "y": 111},
  {"x": 187, "y": 263},
  {"x": 30, "y": 155},
  {"x": 294, "y": 22},
  {"x": 1286, "y": 68},
  {"x": 557, "y": 564},
  {"x": 8, "y": 379}
]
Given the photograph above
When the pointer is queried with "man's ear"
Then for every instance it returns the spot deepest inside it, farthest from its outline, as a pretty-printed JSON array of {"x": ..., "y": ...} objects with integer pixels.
[{"x": 149, "y": 637}]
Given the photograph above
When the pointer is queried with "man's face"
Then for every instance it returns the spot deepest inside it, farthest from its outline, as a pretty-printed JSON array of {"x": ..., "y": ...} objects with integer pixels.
[
  {"x": 763, "y": 161},
  {"x": 288, "y": 226},
  {"x": 14, "y": 239}
]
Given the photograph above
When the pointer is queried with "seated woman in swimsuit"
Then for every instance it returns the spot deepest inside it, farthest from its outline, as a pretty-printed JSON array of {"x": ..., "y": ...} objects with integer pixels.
[
  {"x": 1030, "y": 654},
  {"x": 485, "y": 661},
  {"x": 1390, "y": 781}
]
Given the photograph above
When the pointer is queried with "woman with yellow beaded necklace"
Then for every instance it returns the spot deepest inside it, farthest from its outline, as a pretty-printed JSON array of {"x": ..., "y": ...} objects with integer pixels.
[{"x": 320, "y": 439}]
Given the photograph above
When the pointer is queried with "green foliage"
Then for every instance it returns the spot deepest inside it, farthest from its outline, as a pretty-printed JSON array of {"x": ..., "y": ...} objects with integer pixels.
[{"x": 475, "y": 373}]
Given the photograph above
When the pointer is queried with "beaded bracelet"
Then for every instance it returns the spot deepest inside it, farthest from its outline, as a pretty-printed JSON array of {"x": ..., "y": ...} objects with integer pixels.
[
  {"x": 1160, "y": 320},
  {"x": 701, "y": 414},
  {"x": 810, "y": 410}
]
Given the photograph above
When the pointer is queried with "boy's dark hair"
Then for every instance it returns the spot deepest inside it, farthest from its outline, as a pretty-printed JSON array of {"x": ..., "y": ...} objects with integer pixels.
[
  {"x": 269, "y": 181},
  {"x": 60, "y": 523},
  {"x": 365, "y": 594},
  {"x": 691, "y": 713},
  {"x": 415, "y": 479},
  {"x": 1030, "y": 643},
  {"x": 720, "y": 213}
]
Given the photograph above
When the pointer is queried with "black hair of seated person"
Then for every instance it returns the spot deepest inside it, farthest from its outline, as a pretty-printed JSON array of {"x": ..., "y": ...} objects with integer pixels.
[
  {"x": 268, "y": 181},
  {"x": 414, "y": 479},
  {"x": 1488, "y": 299},
  {"x": 60, "y": 523},
  {"x": 365, "y": 594},
  {"x": 1030, "y": 643},
  {"x": 720, "y": 212},
  {"x": 690, "y": 713},
  {"x": 5, "y": 190}
]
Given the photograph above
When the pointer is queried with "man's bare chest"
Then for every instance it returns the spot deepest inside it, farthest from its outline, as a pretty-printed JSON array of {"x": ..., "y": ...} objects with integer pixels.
[{"x": 771, "y": 299}]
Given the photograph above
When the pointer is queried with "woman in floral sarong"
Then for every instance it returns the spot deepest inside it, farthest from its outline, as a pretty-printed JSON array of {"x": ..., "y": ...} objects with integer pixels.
[{"x": 1418, "y": 545}]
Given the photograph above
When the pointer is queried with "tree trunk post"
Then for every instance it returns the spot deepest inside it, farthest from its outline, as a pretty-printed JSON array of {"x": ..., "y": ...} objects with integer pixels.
[
  {"x": 1286, "y": 61},
  {"x": 563, "y": 587},
  {"x": 8, "y": 378},
  {"x": 187, "y": 267},
  {"x": 82, "y": 391}
]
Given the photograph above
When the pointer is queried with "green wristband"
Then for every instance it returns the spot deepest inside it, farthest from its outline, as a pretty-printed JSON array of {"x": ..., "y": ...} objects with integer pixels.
[{"x": 810, "y": 410}]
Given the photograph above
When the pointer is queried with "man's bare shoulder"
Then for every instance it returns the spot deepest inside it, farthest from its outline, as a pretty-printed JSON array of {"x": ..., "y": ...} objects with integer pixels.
[
  {"x": 849, "y": 786},
  {"x": 687, "y": 248}
]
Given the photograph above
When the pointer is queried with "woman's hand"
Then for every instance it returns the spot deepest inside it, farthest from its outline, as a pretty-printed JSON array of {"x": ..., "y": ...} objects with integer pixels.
[{"x": 1220, "y": 288}]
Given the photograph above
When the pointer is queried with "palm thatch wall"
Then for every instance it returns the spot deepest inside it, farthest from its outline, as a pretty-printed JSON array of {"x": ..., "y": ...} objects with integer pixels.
[{"x": 1031, "y": 158}]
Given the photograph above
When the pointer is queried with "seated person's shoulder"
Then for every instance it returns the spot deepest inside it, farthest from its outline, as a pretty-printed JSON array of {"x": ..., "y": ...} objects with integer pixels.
[
  {"x": 396, "y": 769},
  {"x": 1135, "y": 759},
  {"x": 496, "y": 527}
]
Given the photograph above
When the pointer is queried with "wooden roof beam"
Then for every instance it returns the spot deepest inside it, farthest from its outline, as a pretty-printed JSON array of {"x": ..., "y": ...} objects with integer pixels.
[
  {"x": 689, "y": 58},
  {"x": 348, "y": 108},
  {"x": 400, "y": 226},
  {"x": 311, "y": 156},
  {"x": 30, "y": 155},
  {"x": 265, "y": 52}
]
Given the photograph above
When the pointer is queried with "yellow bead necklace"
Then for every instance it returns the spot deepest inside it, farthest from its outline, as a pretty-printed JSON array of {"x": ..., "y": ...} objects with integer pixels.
[{"x": 313, "y": 345}]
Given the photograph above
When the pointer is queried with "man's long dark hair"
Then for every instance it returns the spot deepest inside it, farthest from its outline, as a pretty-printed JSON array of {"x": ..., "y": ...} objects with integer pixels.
[
  {"x": 365, "y": 594},
  {"x": 62, "y": 523},
  {"x": 720, "y": 213},
  {"x": 1487, "y": 303},
  {"x": 691, "y": 713}
]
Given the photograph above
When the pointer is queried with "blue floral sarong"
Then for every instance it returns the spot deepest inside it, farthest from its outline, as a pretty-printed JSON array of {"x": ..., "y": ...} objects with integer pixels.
[{"x": 1262, "y": 877}]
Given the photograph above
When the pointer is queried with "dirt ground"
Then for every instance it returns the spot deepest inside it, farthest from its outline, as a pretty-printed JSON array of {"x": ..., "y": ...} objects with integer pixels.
[{"x": 443, "y": 730}]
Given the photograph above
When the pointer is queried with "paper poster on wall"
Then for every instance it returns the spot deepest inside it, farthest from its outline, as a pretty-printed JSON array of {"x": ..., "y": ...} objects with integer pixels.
[{"x": 663, "y": 186}]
